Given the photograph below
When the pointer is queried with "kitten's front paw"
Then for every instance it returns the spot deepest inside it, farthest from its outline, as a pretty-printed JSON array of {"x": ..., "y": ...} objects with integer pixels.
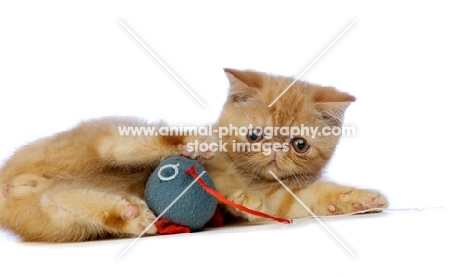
[
  {"x": 357, "y": 200},
  {"x": 247, "y": 200},
  {"x": 196, "y": 149}
]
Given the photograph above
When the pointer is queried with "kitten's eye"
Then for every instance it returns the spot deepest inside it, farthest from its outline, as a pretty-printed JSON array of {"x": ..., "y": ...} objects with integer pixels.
[
  {"x": 300, "y": 145},
  {"x": 255, "y": 135}
]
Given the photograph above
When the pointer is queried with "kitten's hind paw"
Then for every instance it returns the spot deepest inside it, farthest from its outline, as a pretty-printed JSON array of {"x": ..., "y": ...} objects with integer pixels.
[
  {"x": 138, "y": 218},
  {"x": 6, "y": 190},
  {"x": 25, "y": 185}
]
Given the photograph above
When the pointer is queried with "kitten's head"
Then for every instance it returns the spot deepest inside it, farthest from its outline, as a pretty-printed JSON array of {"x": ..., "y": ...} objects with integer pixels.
[{"x": 279, "y": 138}]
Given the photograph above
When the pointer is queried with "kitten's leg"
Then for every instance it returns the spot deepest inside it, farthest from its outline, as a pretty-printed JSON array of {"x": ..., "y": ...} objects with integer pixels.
[
  {"x": 71, "y": 212},
  {"x": 25, "y": 185},
  {"x": 327, "y": 198},
  {"x": 322, "y": 198},
  {"x": 113, "y": 211},
  {"x": 91, "y": 147},
  {"x": 118, "y": 149}
]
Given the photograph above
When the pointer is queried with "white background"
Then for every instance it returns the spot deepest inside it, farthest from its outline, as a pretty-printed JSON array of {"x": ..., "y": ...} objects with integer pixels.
[{"x": 61, "y": 63}]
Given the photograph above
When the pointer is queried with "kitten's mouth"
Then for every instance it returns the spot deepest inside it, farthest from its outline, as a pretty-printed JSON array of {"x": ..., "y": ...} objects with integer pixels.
[{"x": 273, "y": 163}]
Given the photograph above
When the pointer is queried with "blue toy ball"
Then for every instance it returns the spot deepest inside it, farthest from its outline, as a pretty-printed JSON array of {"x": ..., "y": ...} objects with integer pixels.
[{"x": 193, "y": 208}]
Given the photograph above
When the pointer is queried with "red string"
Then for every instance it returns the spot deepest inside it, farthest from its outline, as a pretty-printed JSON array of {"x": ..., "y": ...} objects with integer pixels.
[
  {"x": 165, "y": 227},
  {"x": 221, "y": 198}
]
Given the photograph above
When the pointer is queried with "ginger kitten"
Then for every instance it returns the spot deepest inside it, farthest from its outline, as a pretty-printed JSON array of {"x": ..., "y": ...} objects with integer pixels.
[{"x": 88, "y": 182}]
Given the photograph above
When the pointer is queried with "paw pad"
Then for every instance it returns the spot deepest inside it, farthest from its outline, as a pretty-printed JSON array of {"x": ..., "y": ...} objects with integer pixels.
[
  {"x": 6, "y": 190},
  {"x": 131, "y": 211}
]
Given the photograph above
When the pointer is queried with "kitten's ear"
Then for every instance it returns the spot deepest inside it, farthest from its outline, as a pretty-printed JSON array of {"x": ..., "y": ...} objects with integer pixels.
[
  {"x": 243, "y": 84},
  {"x": 248, "y": 78},
  {"x": 331, "y": 105}
]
